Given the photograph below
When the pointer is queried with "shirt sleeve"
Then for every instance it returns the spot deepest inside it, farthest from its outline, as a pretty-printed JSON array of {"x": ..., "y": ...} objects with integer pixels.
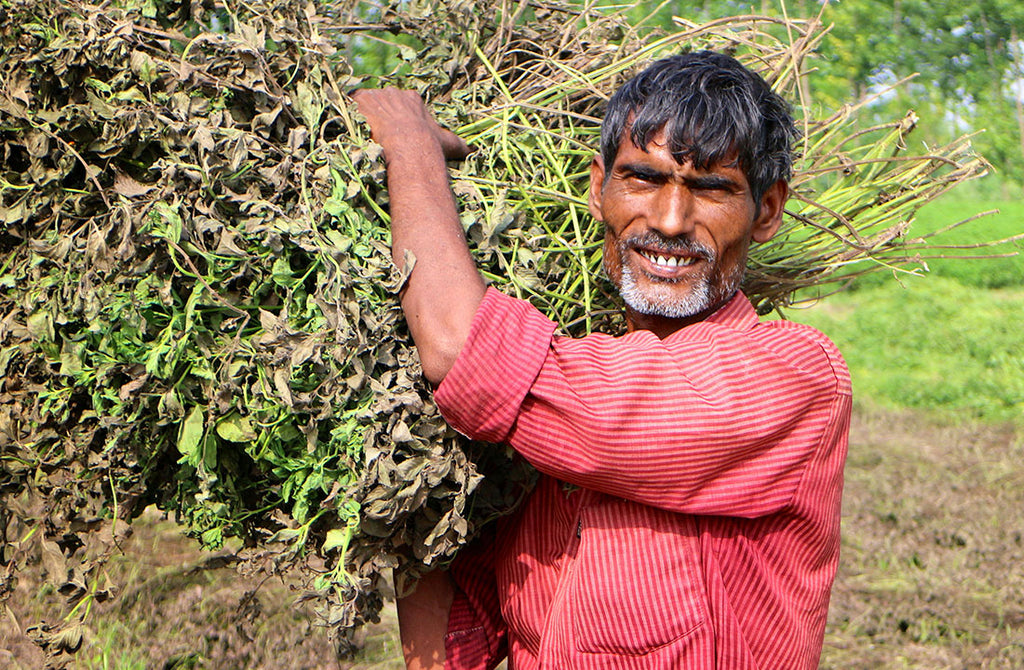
[{"x": 714, "y": 419}]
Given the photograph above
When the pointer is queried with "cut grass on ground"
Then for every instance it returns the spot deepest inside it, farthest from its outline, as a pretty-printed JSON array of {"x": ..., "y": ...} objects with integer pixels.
[
  {"x": 176, "y": 612},
  {"x": 933, "y": 518}
]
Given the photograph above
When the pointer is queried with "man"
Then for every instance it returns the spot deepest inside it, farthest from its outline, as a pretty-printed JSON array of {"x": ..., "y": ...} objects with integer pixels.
[{"x": 688, "y": 510}]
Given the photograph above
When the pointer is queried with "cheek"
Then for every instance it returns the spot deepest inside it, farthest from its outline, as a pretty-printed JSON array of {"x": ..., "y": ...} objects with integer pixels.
[
  {"x": 611, "y": 260},
  {"x": 621, "y": 206},
  {"x": 732, "y": 255},
  {"x": 730, "y": 231}
]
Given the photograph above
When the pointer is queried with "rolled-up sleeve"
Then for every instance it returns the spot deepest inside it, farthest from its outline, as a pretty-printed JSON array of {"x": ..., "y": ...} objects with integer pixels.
[
  {"x": 508, "y": 342},
  {"x": 720, "y": 417}
]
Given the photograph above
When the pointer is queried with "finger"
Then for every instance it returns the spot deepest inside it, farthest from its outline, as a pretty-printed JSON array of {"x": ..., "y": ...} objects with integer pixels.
[{"x": 453, "y": 146}]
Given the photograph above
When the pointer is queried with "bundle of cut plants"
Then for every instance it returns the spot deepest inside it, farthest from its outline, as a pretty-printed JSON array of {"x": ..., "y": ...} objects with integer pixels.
[{"x": 198, "y": 307}]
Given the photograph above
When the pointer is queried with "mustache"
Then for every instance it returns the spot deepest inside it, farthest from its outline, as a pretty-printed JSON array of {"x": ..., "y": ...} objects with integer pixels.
[{"x": 654, "y": 241}]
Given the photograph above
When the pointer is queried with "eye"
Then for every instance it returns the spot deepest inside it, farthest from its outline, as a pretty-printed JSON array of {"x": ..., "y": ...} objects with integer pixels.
[
  {"x": 644, "y": 176},
  {"x": 713, "y": 186}
]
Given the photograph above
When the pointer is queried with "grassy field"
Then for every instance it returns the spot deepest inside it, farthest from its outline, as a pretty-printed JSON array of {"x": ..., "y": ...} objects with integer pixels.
[
  {"x": 933, "y": 512},
  {"x": 948, "y": 343},
  {"x": 1002, "y": 219},
  {"x": 932, "y": 344},
  {"x": 933, "y": 516}
]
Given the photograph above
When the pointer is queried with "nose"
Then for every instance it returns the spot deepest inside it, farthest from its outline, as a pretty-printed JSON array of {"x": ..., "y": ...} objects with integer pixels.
[{"x": 672, "y": 212}]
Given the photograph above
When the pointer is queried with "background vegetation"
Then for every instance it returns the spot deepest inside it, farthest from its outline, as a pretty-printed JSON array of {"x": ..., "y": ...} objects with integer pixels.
[
  {"x": 947, "y": 343},
  {"x": 933, "y": 516}
]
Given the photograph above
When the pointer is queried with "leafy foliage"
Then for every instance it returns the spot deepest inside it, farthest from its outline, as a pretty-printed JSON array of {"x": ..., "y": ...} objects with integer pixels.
[
  {"x": 198, "y": 308},
  {"x": 195, "y": 315}
]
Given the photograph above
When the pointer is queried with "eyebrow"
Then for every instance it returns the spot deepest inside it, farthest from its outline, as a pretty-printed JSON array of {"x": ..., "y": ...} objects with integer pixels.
[
  {"x": 641, "y": 170},
  {"x": 713, "y": 181},
  {"x": 702, "y": 181}
]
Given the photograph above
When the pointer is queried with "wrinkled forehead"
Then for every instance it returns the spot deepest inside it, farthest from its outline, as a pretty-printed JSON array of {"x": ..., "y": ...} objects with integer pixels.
[{"x": 688, "y": 142}]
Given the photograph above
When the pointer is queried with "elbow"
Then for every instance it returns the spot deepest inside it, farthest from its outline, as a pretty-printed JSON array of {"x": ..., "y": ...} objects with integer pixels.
[
  {"x": 435, "y": 372},
  {"x": 437, "y": 360},
  {"x": 439, "y": 333}
]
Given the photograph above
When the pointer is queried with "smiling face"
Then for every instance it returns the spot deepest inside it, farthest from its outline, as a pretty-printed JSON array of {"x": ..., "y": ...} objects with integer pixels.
[{"x": 676, "y": 237}]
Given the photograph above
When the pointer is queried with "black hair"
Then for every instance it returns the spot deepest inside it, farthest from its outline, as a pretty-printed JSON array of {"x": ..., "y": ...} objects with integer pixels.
[{"x": 712, "y": 109}]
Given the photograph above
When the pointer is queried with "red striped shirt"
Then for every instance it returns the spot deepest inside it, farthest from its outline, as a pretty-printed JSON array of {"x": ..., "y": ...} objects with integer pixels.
[{"x": 688, "y": 516}]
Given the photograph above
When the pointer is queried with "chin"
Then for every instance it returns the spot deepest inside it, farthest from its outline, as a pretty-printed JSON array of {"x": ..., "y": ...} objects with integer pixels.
[{"x": 666, "y": 300}]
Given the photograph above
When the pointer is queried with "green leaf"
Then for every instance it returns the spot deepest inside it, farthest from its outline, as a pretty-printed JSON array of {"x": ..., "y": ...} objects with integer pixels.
[
  {"x": 167, "y": 222},
  {"x": 191, "y": 435},
  {"x": 212, "y": 538},
  {"x": 337, "y": 538},
  {"x": 286, "y": 535},
  {"x": 40, "y": 326},
  {"x": 406, "y": 52},
  {"x": 236, "y": 428},
  {"x": 191, "y": 304},
  {"x": 309, "y": 106},
  {"x": 71, "y": 358},
  {"x": 282, "y": 273},
  {"x": 210, "y": 453}
]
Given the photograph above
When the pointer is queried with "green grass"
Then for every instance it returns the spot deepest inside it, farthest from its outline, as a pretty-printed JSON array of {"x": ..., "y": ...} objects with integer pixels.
[
  {"x": 1007, "y": 221},
  {"x": 933, "y": 344},
  {"x": 948, "y": 342},
  {"x": 106, "y": 653}
]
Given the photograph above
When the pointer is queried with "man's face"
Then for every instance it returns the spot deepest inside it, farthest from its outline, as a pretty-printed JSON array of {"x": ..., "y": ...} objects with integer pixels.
[{"x": 676, "y": 237}]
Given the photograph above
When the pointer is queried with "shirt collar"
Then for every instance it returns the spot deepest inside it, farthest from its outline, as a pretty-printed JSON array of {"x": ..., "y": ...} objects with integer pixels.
[{"x": 736, "y": 313}]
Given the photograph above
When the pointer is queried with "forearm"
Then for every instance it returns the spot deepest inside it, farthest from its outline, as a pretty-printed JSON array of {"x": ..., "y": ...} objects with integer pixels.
[
  {"x": 444, "y": 288},
  {"x": 423, "y": 621}
]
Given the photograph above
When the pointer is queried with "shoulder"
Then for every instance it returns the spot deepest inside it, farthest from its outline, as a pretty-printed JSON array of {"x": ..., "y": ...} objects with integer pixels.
[{"x": 807, "y": 348}]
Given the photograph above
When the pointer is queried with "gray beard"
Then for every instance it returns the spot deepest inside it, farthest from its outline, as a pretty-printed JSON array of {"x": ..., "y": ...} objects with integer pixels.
[{"x": 657, "y": 299}]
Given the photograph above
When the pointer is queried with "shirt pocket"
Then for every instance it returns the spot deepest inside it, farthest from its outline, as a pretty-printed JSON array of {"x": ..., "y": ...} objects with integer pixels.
[{"x": 637, "y": 583}]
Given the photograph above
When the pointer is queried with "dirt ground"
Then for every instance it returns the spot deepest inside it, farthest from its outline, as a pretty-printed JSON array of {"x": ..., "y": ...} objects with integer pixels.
[
  {"x": 933, "y": 544},
  {"x": 930, "y": 575}
]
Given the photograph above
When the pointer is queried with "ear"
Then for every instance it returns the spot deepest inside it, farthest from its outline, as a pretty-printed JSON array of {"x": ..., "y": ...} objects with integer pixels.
[
  {"x": 596, "y": 185},
  {"x": 770, "y": 218}
]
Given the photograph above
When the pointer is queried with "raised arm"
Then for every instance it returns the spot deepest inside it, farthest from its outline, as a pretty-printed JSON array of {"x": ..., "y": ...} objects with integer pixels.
[
  {"x": 695, "y": 423},
  {"x": 445, "y": 288}
]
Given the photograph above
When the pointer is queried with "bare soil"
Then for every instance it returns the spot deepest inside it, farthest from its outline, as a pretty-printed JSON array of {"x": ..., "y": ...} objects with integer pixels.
[
  {"x": 930, "y": 575},
  {"x": 933, "y": 544}
]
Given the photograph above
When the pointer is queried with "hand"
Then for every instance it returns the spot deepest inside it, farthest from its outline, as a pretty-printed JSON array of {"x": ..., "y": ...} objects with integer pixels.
[{"x": 398, "y": 118}]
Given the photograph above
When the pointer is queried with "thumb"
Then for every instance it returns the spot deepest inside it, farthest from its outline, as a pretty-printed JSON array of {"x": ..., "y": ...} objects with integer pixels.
[{"x": 453, "y": 146}]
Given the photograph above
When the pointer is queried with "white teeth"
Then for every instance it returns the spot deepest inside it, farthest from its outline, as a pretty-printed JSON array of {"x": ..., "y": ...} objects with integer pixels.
[{"x": 668, "y": 261}]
